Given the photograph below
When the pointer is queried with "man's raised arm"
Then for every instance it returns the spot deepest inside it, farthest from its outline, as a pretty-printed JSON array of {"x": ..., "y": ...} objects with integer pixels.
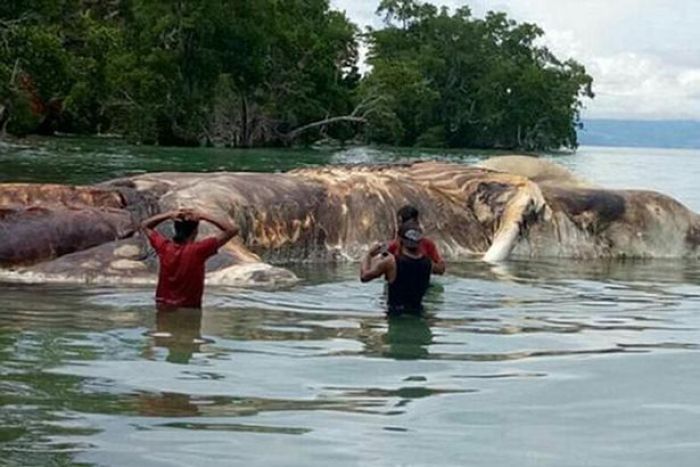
[
  {"x": 371, "y": 268},
  {"x": 228, "y": 230},
  {"x": 152, "y": 222}
]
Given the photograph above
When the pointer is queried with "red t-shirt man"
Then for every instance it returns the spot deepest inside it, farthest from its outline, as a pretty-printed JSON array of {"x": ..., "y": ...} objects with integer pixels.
[
  {"x": 181, "y": 270},
  {"x": 182, "y": 259}
]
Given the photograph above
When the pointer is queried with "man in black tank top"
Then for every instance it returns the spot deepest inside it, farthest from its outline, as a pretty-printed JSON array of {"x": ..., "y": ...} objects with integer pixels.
[{"x": 407, "y": 273}]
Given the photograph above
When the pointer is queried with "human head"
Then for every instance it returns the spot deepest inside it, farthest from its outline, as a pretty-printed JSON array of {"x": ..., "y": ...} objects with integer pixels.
[
  {"x": 407, "y": 213},
  {"x": 410, "y": 235},
  {"x": 185, "y": 230}
]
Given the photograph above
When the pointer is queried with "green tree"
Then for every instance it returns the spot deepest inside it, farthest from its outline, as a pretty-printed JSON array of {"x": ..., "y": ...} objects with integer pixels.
[
  {"x": 52, "y": 61},
  {"x": 245, "y": 72},
  {"x": 299, "y": 66},
  {"x": 277, "y": 72},
  {"x": 454, "y": 80}
]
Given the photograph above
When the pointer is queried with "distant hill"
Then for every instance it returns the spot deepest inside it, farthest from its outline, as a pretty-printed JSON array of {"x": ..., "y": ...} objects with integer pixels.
[{"x": 641, "y": 133}]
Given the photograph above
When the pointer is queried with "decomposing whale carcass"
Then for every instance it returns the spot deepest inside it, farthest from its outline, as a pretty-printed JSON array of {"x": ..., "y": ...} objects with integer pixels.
[
  {"x": 507, "y": 206},
  {"x": 584, "y": 221}
]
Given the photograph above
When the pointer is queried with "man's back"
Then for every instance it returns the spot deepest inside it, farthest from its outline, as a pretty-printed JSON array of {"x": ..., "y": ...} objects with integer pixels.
[
  {"x": 407, "y": 289},
  {"x": 181, "y": 271}
]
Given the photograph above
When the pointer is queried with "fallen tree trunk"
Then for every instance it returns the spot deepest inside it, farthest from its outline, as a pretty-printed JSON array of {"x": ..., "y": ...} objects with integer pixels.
[
  {"x": 292, "y": 135},
  {"x": 358, "y": 115}
]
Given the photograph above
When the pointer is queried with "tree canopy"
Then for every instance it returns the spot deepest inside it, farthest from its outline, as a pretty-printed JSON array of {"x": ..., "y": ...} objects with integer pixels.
[
  {"x": 454, "y": 80},
  {"x": 271, "y": 72}
]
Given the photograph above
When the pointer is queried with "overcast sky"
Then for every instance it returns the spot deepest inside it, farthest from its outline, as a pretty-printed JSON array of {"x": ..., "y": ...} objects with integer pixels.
[{"x": 644, "y": 55}]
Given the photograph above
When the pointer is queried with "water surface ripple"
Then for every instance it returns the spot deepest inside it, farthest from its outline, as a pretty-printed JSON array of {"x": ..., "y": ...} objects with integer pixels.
[{"x": 513, "y": 365}]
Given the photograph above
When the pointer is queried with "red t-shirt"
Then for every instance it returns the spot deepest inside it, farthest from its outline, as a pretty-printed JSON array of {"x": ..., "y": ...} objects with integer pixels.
[
  {"x": 181, "y": 271},
  {"x": 426, "y": 247}
]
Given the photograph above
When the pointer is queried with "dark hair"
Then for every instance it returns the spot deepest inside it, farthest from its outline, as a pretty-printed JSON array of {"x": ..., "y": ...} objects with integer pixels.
[
  {"x": 407, "y": 213},
  {"x": 184, "y": 230}
]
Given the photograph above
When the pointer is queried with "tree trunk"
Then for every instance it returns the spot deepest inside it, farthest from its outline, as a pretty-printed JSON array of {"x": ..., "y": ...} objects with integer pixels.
[
  {"x": 4, "y": 119},
  {"x": 292, "y": 135},
  {"x": 245, "y": 137}
]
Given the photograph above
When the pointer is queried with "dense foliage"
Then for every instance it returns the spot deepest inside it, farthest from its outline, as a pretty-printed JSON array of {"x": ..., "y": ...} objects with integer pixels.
[
  {"x": 262, "y": 72},
  {"x": 453, "y": 80}
]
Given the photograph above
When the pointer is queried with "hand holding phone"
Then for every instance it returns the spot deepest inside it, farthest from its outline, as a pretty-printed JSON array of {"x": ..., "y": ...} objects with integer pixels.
[{"x": 384, "y": 250}]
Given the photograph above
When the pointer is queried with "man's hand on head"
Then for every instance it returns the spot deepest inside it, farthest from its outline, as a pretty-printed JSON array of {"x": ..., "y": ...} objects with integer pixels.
[{"x": 188, "y": 214}]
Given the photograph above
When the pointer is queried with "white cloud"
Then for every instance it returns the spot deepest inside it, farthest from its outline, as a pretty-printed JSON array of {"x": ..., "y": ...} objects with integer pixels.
[{"x": 644, "y": 55}]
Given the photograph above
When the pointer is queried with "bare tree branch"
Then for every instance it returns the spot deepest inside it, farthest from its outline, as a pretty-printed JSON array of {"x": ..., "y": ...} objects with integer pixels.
[
  {"x": 327, "y": 121},
  {"x": 359, "y": 115}
]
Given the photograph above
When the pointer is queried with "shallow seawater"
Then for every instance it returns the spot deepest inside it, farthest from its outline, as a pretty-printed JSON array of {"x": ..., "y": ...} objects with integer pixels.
[
  {"x": 520, "y": 364},
  {"x": 553, "y": 363},
  {"x": 89, "y": 160}
]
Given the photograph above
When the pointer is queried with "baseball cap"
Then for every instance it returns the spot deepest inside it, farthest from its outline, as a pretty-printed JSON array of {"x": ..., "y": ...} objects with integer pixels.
[{"x": 410, "y": 234}]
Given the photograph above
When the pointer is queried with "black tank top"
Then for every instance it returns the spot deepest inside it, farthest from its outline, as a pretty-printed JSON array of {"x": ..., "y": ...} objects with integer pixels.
[{"x": 412, "y": 280}]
